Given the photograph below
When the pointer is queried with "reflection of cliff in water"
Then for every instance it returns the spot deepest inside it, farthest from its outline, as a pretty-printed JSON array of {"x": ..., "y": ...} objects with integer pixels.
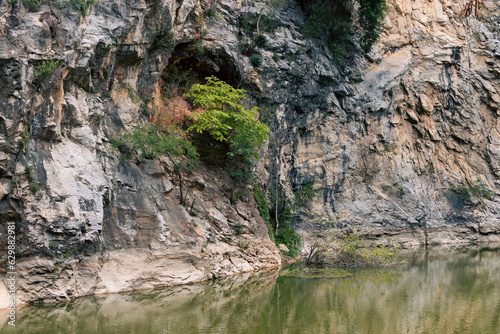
[
  {"x": 437, "y": 291},
  {"x": 182, "y": 309}
]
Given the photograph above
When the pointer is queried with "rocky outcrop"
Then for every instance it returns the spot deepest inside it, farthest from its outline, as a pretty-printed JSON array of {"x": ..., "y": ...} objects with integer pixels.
[{"x": 396, "y": 140}]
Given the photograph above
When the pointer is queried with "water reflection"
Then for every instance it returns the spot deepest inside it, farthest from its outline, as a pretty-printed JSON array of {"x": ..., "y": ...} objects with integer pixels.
[{"x": 436, "y": 291}]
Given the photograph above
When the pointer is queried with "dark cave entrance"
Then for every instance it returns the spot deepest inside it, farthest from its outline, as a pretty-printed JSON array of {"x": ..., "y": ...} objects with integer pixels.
[{"x": 186, "y": 67}]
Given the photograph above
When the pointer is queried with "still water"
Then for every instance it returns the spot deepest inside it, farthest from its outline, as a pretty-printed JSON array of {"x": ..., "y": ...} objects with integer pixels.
[{"x": 435, "y": 291}]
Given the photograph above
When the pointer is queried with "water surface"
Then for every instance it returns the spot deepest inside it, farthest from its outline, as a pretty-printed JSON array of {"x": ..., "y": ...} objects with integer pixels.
[{"x": 436, "y": 291}]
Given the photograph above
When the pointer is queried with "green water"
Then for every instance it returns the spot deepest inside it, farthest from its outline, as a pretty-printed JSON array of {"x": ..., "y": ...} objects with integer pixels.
[{"x": 436, "y": 291}]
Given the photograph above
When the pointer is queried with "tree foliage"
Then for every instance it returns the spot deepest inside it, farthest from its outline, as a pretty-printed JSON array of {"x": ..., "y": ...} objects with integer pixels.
[
  {"x": 371, "y": 14},
  {"x": 333, "y": 21},
  {"x": 149, "y": 142},
  {"x": 225, "y": 119}
]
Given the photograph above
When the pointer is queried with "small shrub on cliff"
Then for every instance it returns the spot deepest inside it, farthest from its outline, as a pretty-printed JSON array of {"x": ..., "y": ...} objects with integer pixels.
[
  {"x": 25, "y": 140},
  {"x": 263, "y": 207},
  {"x": 33, "y": 5},
  {"x": 305, "y": 194},
  {"x": 476, "y": 189},
  {"x": 44, "y": 70},
  {"x": 28, "y": 171},
  {"x": 165, "y": 37},
  {"x": 82, "y": 6},
  {"x": 261, "y": 41},
  {"x": 149, "y": 143},
  {"x": 34, "y": 187},
  {"x": 256, "y": 60}
]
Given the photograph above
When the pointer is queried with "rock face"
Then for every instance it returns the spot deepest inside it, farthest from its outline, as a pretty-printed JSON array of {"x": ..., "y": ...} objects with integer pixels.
[
  {"x": 409, "y": 146},
  {"x": 397, "y": 141},
  {"x": 99, "y": 224}
]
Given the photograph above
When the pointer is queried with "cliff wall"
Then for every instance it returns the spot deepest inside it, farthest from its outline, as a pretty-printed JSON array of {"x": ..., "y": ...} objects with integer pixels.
[{"x": 405, "y": 141}]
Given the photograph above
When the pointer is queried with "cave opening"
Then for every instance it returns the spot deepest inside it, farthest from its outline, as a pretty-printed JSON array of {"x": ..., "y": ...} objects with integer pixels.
[{"x": 185, "y": 68}]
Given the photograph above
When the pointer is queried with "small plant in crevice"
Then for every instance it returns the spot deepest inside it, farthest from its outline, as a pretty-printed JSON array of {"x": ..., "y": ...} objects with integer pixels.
[
  {"x": 33, "y": 5},
  {"x": 260, "y": 41},
  {"x": 131, "y": 92},
  {"x": 393, "y": 190},
  {"x": 213, "y": 14},
  {"x": 429, "y": 170},
  {"x": 248, "y": 49},
  {"x": 68, "y": 253},
  {"x": 45, "y": 69},
  {"x": 238, "y": 228},
  {"x": 200, "y": 34},
  {"x": 34, "y": 187},
  {"x": 199, "y": 48},
  {"x": 25, "y": 140},
  {"x": 305, "y": 194},
  {"x": 81, "y": 6},
  {"x": 256, "y": 60},
  {"x": 120, "y": 145},
  {"x": 243, "y": 245},
  {"x": 165, "y": 37},
  {"x": 54, "y": 273},
  {"x": 28, "y": 171}
]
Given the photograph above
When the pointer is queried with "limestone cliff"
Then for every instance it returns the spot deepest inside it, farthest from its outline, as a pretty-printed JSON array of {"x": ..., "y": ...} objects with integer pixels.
[
  {"x": 397, "y": 140},
  {"x": 410, "y": 148}
]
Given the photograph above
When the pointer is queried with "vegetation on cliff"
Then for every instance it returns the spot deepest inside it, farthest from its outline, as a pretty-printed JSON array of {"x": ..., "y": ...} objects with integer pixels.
[
  {"x": 343, "y": 247},
  {"x": 225, "y": 118},
  {"x": 339, "y": 25},
  {"x": 222, "y": 117}
]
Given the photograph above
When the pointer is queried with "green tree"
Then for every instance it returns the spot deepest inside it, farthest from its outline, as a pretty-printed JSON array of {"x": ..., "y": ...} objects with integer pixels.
[{"x": 225, "y": 119}]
